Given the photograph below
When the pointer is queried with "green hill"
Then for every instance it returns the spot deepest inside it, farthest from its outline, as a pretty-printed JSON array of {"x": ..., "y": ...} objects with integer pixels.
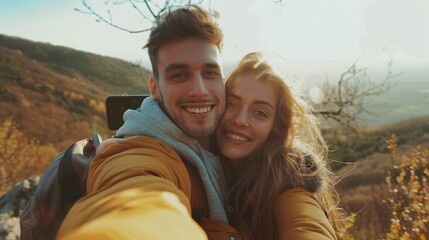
[
  {"x": 348, "y": 146},
  {"x": 56, "y": 94}
]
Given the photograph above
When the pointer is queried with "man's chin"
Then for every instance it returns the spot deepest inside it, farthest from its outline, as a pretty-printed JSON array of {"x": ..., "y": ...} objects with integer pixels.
[
  {"x": 199, "y": 132},
  {"x": 198, "y": 128}
]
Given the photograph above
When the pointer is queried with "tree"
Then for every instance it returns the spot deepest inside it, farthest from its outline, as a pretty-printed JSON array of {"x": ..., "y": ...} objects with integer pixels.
[{"x": 344, "y": 100}]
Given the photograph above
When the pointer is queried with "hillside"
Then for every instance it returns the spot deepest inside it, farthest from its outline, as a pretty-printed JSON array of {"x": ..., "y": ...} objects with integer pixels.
[
  {"x": 408, "y": 98},
  {"x": 370, "y": 169},
  {"x": 349, "y": 146},
  {"x": 366, "y": 161},
  {"x": 56, "y": 94}
]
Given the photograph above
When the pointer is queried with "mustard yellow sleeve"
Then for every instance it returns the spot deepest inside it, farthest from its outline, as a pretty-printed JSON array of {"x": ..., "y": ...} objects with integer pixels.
[
  {"x": 299, "y": 215},
  {"x": 136, "y": 189}
]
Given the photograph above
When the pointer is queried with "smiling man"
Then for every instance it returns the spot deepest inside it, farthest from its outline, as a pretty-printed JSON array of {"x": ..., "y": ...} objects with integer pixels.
[
  {"x": 189, "y": 86},
  {"x": 159, "y": 181}
]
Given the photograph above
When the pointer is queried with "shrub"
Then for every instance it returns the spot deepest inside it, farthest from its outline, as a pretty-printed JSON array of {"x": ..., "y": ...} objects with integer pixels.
[
  {"x": 20, "y": 156},
  {"x": 407, "y": 183}
]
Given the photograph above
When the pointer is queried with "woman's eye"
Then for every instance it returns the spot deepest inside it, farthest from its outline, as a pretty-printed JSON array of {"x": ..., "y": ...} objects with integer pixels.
[
  {"x": 261, "y": 114},
  {"x": 230, "y": 105}
]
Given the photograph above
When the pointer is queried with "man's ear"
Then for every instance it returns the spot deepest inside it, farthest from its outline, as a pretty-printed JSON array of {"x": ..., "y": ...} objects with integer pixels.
[{"x": 153, "y": 85}]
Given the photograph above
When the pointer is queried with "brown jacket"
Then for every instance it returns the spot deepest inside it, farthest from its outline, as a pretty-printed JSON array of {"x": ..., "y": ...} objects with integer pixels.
[
  {"x": 139, "y": 188},
  {"x": 299, "y": 215}
]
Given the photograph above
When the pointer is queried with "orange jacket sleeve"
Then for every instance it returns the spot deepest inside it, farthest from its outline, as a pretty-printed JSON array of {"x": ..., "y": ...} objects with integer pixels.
[
  {"x": 137, "y": 188},
  {"x": 298, "y": 215}
]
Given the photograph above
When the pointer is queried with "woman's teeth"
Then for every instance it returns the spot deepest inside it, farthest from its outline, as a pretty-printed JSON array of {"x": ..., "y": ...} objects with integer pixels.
[{"x": 237, "y": 137}]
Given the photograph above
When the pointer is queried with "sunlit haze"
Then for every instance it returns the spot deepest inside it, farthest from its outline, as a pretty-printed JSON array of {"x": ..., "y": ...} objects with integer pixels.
[{"x": 304, "y": 30}]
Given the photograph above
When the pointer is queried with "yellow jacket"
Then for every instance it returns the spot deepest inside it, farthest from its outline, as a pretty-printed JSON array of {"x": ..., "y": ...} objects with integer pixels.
[
  {"x": 138, "y": 188},
  {"x": 299, "y": 215}
]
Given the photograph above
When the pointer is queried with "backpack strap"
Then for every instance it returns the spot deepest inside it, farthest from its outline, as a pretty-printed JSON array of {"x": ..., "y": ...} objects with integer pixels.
[{"x": 96, "y": 139}]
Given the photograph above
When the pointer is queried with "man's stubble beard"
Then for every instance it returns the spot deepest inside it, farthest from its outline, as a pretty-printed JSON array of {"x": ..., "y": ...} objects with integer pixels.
[{"x": 182, "y": 125}]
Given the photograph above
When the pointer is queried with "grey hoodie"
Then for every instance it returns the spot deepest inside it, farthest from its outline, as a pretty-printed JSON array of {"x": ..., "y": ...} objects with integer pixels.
[{"x": 150, "y": 120}]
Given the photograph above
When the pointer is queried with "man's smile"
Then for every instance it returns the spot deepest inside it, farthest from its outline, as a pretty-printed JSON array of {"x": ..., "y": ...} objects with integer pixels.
[{"x": 198, "y": 110}]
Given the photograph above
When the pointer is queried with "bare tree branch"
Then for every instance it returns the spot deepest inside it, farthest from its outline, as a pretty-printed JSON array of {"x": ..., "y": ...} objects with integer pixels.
[
  {"x": 148, "y": 10},
  {"x": 100, "y": 18},
  {"x": 346, "y": 99}
]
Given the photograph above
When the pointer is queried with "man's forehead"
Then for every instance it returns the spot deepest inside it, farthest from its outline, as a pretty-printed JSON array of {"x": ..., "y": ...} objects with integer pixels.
[{"x": 189, "y": 52}]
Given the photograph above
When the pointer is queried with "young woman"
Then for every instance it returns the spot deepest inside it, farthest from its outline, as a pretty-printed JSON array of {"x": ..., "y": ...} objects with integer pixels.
[{"x": 275, "y": 159}]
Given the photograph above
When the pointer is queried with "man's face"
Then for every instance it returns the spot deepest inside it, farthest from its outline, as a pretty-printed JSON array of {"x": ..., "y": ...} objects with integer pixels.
[{"x": 190, "y": 86}]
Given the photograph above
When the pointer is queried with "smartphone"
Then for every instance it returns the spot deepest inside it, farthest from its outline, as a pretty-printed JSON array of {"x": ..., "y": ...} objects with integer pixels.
[{"x": 116, "y": 105}]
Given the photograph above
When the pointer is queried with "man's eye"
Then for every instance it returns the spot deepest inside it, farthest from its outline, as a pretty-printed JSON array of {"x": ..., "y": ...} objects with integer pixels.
[{"x": 179, "y": 76}]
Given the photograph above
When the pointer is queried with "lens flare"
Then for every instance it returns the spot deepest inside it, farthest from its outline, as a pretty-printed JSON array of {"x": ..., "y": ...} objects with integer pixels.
[{"x": 316, "y": 95}]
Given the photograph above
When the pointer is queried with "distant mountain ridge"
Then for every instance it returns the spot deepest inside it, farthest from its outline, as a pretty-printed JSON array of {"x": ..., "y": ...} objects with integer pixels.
[
  {"x": 56, "y": 94},
  {"x": 115, "y": 74}
]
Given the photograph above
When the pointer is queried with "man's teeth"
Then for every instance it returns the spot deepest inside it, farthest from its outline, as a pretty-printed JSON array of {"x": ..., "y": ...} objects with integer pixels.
[
  {"x": 198, "y": 110},
  {"x": 237, "y": 137}
]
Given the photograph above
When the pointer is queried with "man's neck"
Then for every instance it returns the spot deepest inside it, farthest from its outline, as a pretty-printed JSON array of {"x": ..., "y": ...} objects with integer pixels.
[{"x": 204, "y": 142}]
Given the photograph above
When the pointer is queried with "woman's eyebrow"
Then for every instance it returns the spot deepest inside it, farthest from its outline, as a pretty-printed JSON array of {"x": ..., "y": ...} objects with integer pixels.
[
  {"x": 264, "y": 103},
  {"x": 233, "y": 95},
  {"x": 259, "y": 102}
]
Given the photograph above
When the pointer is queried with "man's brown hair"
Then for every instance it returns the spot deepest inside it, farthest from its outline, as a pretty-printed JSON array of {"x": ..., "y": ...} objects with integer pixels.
[{"x": 179, "y": 24}]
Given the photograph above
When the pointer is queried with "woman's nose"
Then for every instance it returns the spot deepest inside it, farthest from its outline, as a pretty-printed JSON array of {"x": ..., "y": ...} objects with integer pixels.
[{"x": 241, "y": 119}]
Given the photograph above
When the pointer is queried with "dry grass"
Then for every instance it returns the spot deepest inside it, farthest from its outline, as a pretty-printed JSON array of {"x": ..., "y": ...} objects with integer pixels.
[{"x": 372, "y": 215}]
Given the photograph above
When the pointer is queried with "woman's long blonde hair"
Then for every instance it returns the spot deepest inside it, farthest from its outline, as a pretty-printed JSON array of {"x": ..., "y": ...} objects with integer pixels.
[{"x": 294, "y": 155}]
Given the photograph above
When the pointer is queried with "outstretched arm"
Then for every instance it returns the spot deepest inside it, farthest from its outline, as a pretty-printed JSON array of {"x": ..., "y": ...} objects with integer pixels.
[{"x": 137, "y": 189}]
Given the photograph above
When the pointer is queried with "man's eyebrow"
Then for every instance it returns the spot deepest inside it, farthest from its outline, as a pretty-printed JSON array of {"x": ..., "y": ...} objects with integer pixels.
[
  {"x": 259, "y": 102},
  {"x": 175, "y": 66},
  {"x": 211, "y": 65}
]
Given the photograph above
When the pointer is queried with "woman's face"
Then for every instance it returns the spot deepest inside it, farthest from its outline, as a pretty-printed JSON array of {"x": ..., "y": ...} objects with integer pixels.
[{"x": 248, "y": 119}]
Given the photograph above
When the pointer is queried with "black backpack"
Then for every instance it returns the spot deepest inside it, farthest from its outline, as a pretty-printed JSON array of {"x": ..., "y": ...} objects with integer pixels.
[{"x": 62, "y": 184}]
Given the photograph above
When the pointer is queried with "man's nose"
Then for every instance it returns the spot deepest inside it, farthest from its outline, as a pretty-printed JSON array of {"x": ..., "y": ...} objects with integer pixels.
[{"x": 199, "y": 87}]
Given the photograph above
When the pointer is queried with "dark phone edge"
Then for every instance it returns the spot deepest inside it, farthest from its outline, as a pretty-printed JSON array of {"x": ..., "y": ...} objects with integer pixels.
[{"x": 110, "y": 113}]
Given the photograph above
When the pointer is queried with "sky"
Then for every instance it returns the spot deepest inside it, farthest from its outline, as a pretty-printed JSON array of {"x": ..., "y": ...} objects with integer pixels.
[{"x": 309, "y": 33}]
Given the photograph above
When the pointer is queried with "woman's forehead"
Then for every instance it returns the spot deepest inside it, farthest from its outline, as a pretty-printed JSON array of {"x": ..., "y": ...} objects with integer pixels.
[{"x": 247, "y": 88}]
